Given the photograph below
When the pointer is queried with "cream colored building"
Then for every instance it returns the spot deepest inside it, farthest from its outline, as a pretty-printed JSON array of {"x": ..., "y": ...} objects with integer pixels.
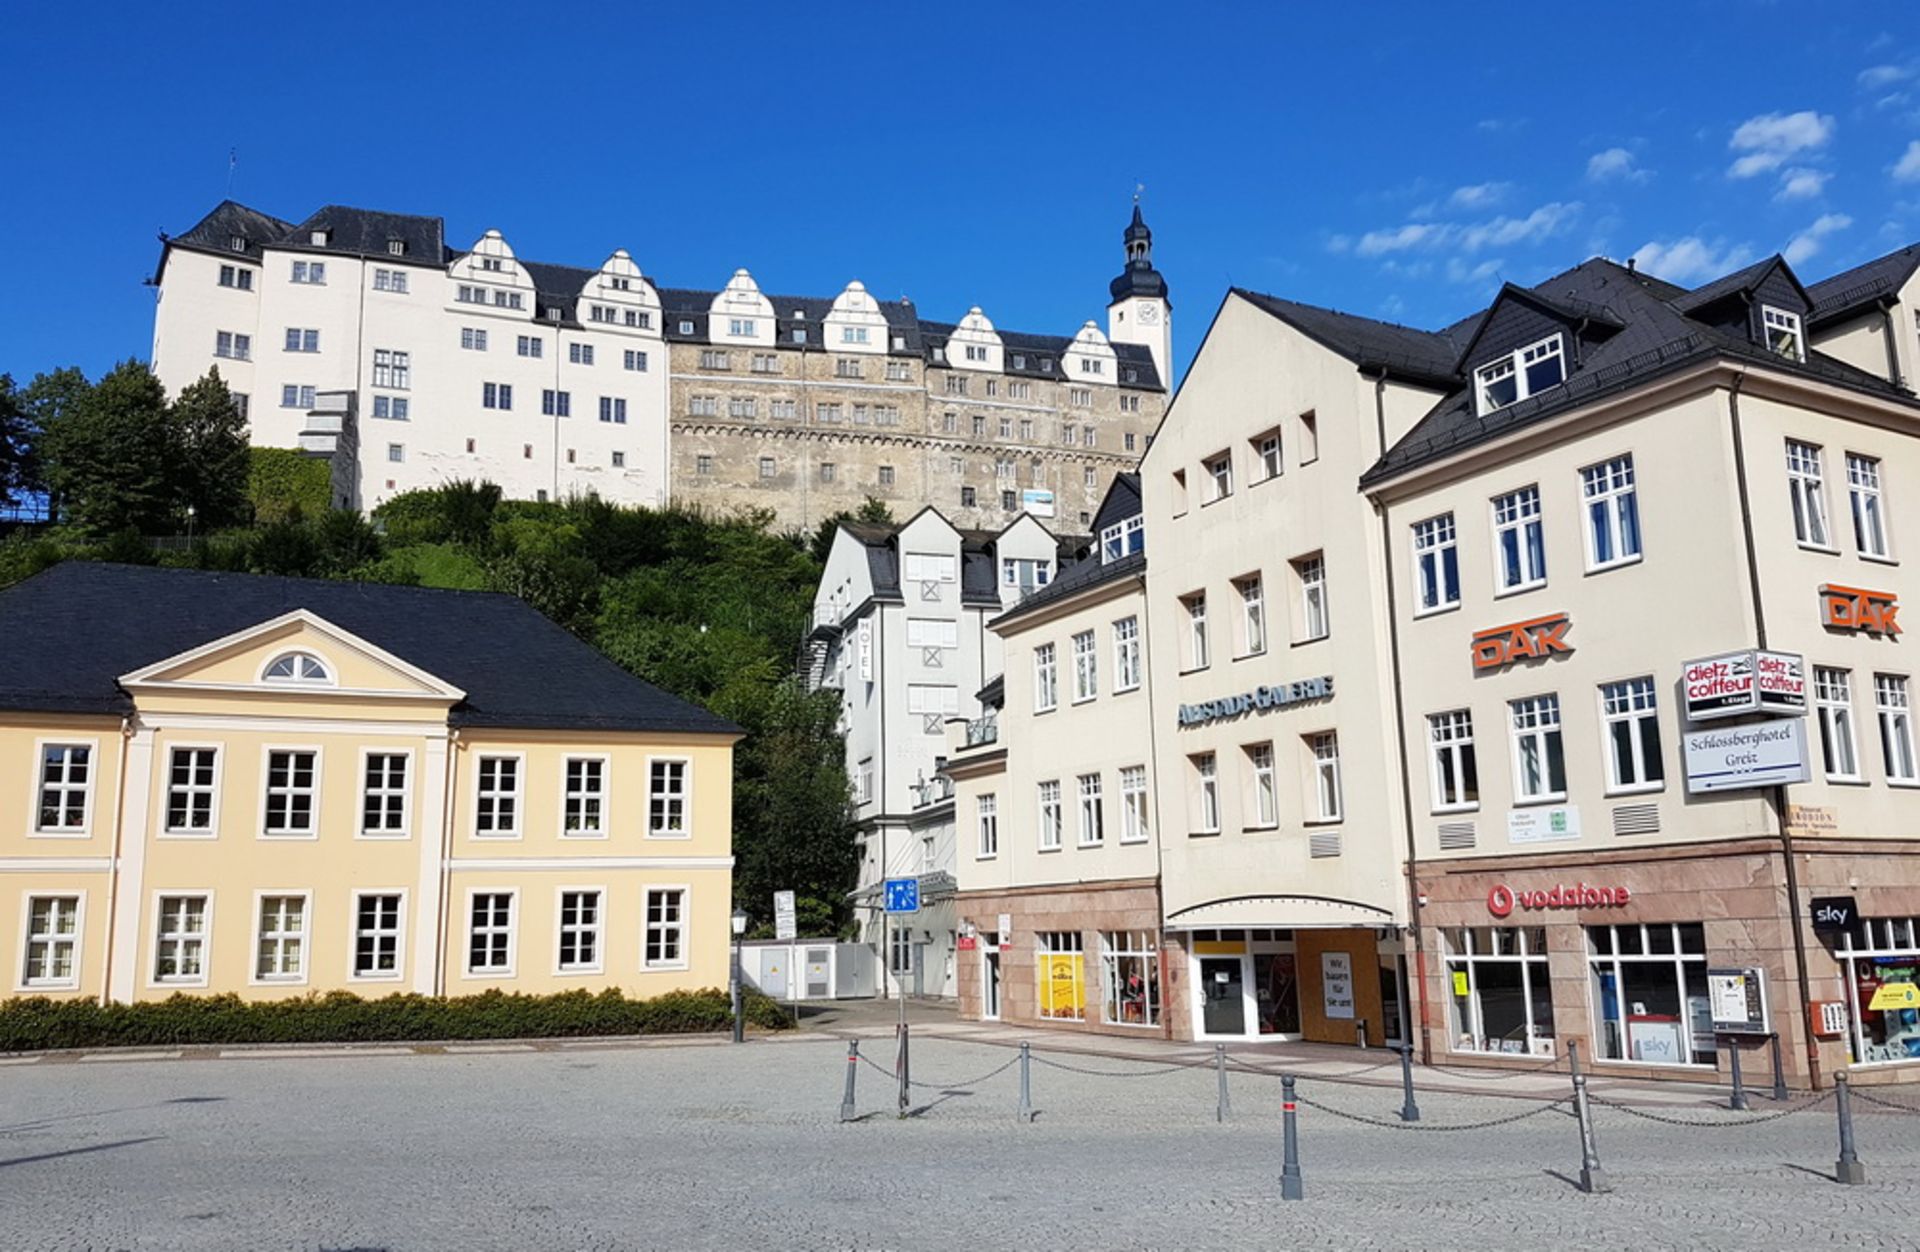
[
  {"x": 368, "y": 338},
  {"x": 266, "y": 786}
]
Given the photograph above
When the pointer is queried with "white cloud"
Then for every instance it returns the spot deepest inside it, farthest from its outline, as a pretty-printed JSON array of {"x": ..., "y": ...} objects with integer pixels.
[
  {"x": 1770, "y": 138},
  {"x": 1807, "y": 242},
  {"x": 1907, "y": 168},
  {"x": 1691, "y": 259},
  {"x": 1615, "y": 163},
  {"x": 1400, "y": 238},
  {"x": 1801, "y": 184},
  {"x": 1459, "y": 271},
  {"x": 1479, "y": 196},
  {"x": 1498, "y": 232},
  {"x": 1875, "y": 77},
  {"x": 1545, "y": 221}
]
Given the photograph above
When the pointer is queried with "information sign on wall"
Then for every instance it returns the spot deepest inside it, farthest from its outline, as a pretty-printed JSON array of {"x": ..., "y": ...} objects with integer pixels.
[
  {"x": 1738, "y": 758},
  {"x": 1737, "y": 999},
  {"x": 1336, "y": 984}
]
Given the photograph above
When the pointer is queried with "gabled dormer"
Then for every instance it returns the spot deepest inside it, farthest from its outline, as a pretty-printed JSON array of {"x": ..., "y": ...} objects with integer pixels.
[
  {"x": 619, "y": 295},
  {"x": 489, "y": 275},
  {"x": 1090, "y": 358},
  {"x": 855, "y": 322},
  {"x": 1119, "y": 527},
  {"x": 1528, "y": 344},
  {"x": 1763, "y": 304},
  {"x": 740, "y": 313},
  {"x": 975, "y": 344}
]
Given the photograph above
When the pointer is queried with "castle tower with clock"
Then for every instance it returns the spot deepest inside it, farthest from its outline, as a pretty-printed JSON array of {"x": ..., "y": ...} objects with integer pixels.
[{"x": 1140, "y": 312}]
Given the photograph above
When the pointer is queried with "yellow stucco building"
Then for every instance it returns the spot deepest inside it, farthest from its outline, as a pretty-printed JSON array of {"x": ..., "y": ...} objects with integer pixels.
[{"x": 270, "y": 786}]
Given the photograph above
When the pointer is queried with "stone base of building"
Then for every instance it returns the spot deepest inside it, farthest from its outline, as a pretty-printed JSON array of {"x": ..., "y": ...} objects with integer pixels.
[
  {"x": 1622, "y": 953},
  {"x": 1085, "y": 957}
]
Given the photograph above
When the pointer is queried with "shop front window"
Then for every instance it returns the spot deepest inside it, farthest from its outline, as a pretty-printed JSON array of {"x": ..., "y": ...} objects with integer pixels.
[
  {"x": 1130, "y": 966},
  {"x": 1500, "y": 997},
  {"x": 1650, "y": 993},
  {"x": 1276, "y": 988},
  {"x": 1882, "y": 955},
  {"x": 1061, "y": 977}
]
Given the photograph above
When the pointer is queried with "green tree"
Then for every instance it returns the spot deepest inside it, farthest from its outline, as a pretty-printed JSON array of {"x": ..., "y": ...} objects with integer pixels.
[
  {"x": 110, "y": 456},
  {"x": 870, "y": 510},
  {"x": 210, "y": 466},
  {"x": 17, "y": 445},
  {"x": 47, "y": 401}
]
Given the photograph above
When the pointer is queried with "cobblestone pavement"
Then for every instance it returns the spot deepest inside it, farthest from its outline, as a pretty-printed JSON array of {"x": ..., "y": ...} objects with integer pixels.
[{"x": 706, "y": 1146}]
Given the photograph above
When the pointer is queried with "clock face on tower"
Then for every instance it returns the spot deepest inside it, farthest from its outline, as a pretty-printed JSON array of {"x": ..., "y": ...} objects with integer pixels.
[{"x": 1149, "y": 315}]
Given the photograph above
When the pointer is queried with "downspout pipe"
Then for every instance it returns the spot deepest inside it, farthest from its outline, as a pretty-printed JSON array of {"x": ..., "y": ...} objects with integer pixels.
[
  {"x": 1893, "y": 341},
  {"x": 113, "y": 863}
]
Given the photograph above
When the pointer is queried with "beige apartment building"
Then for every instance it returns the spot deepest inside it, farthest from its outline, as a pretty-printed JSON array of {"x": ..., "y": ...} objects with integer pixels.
[
  {"x": 1531, "y": 681},
  {"x": 275, "y": 786}
]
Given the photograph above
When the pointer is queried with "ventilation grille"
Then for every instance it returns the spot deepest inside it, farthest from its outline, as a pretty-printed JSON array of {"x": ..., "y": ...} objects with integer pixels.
[
  {"x": 1636, "y": 819},
  {"x": 1457, "y": 836},
  {"x": 1324, "y": 843}
]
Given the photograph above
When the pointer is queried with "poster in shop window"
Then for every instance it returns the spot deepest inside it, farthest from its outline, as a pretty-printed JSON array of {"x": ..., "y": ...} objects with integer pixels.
[
  {"x": 1062, "y": 994},
  {"x": 1336, "y": 984}
]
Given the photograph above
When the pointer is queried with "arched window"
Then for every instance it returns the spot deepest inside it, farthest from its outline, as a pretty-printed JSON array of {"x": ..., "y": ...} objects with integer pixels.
[{"x": 297, "y": 667}]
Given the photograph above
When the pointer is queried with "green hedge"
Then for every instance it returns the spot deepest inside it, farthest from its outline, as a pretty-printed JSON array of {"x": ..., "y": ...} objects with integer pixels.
[{"x": 30, "y": 1024}]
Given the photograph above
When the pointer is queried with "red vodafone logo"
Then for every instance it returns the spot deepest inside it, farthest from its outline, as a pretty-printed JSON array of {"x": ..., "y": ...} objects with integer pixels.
[{"x": 1502, "y": 899}]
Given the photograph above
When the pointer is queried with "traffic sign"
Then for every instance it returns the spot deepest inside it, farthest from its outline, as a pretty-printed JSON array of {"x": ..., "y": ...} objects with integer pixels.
[
  {"x": 903, "y": 895},
  {"x": 783, "y": 915}
]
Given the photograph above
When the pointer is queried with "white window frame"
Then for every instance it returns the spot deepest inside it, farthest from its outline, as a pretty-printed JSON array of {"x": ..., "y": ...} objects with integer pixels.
[
  {"x": 211, "y": 791},
  {"x": 40, "y": 785},
  {"x": 597, "y": 929},
  {"x": 517, "y": 795},
  {"x": 1219, "y": 471},
  {"x": 51, "y": 940},
  {"x": 1199, "y": 649},
  {"x": 1046, "y": 679},
  {"x": 1807, "y": 490},
  {"x": 1269, "y": 454},
  {"x": 986, "y": 809},
  {"x": 678, "y": 927},
  {"x": 1518, "y": 513},
  {"x": 1206, "y": 773},
  {"x": 1086, "y": 666},
  {"x": 1253, "y": 614},
  {"x": 385, "y": 791},
  {"x": 1787, "y": 325},
  {"x": 313, "y": 792},
  {"x": 1051, "y": 832},
  {"x": 1450, "y": 746},
  {"x": 1323, "y": 748},
  {"x": 1091, "y": 790},
  {"x": 1546, "y": 735},
  {"x": 1893, "y": 709},
  {"x": 1316, "y": 616},
  {"x": 680, "y": 794},
  {"x": 604, "y": 828},
  {"x": 1129, "y": 945},
  {"x": 301, "y": 939},
  {"x": 1677, "y": 959},
  {"x": 1610, "y": 496},
  {"x": 511, "y": 928},
  {"x": 1126, "y": 654},
  {"x": 1833, "y": 702},
  {"x": 1867, "y": 502},
  {"x": 162, "y": 936},
  {"x": 1436, "y": 539},
  {"x": 398, "y": 933},
  {"x": 1263, "y": 787},
  {"x": 1136, "y": 818},
  {"x": 304, "y": 669},
  {"x": 1634, "y": 702},
  {"x": 1514, "y": 365},
  {"x": 1523, "y": 947}
]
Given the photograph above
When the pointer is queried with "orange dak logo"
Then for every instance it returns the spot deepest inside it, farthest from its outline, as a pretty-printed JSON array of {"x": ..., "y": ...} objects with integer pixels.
[{"x": 1522, "y": 641}]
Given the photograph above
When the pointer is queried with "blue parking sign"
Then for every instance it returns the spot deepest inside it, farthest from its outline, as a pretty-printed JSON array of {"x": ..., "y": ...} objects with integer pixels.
[{"x": 903, "y": 895}]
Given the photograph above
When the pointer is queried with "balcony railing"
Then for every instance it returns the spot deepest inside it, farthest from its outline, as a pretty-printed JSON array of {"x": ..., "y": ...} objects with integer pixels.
[{"x": 982, "y": 730}]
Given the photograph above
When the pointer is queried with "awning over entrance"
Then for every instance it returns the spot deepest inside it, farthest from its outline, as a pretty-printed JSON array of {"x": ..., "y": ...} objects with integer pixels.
[{"x": 1278, "y": 912}]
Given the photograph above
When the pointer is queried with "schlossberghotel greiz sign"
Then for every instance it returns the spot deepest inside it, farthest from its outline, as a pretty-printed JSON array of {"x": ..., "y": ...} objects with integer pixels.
[{"x": 1260, "y": 698}]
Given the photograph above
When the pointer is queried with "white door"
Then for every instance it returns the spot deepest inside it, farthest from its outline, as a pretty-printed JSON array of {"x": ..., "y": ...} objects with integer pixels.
[{"x": 989, "y": 981}]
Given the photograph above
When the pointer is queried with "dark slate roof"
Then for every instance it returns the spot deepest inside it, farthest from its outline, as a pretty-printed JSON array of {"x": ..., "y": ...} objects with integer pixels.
[
  {"x": 1421, "y": 356},
  {"x": 1656, "y": 338},
  {"x": 1074, "y": 579},
  {"x": 979, "y": 567},
  {"x": 367, "y": 232},
  {"x": 1121, "y": 502},
  {"x": 1851, "y": 290},
  {"x": 74, "y": 629},
  {"x": 1720, "y": 288},
  {"x": 216, "y": 231}
]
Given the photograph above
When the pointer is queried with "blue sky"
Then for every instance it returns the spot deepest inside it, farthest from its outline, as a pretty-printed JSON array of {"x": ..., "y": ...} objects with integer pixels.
[{"x": 1392, "y": 160}]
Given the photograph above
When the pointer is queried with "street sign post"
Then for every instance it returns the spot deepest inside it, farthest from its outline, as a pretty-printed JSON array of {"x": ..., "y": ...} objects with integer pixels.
[
  {"x": 785, "y": 930},
  {"x": 903, "y": 895}
]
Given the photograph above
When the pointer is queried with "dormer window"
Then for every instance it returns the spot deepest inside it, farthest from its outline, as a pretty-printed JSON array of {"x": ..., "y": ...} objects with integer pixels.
[
  {"x": 686, "y": 328},
  {"x": 319, "y": 238},
  {"x": 620, "y": 284},
  {"x": 1513, "y": 377},
  {"x": 1783, "y": 333},
  {"x": 976, "y": 352},
  {"x": 490, "y": 263},
  {"x": 1046, "y": 366},
  {"x": 740, "y": 327},
  {"x": 238, "y": 243},
  {"x": 297, "y": 667},
  {"x": 853, "y": 334},
  {"x": 1089, "y": 366},
  {"x": 396, "y": 247}
]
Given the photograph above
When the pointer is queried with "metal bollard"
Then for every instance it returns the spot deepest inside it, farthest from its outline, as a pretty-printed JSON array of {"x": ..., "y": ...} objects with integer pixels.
[
  {"x": 1738, "y": 1100},
  {"x": 1025, "y": 1111},
  {"x": 1290, "y": 1187},
  {"x": 900, "y": 1068},
  {"x": 1779, "y": 1070},
  {"x": 1225, "y": 1108},
  {"x": 1593, "y": 1179},
  {"x": 847, "y": 1113},
  {"x": 1360, "y": 1033},
  {"x": 1409, "y": 1111},
  {"x": 1573, "y": 1057},
  {"x": 1848, "y": 1168}
]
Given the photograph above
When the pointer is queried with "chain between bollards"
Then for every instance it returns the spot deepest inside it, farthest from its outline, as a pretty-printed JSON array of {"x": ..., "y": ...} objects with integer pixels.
[
  {"x": 1593, "y": 1179},
  {"x": 1225, "y": 1108},
  {"x": 847, "y": 1112},
  {"x": 1409, "y": 1111},
  {"x": 1848, "y": 1168},
  {"x": 1290, "y": 1184},
  {"x": 1025, "y": 1111}
]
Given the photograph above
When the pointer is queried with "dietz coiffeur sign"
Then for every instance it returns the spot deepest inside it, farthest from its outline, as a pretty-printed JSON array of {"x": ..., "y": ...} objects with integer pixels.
[
  {"x": 1501, "y": 646},
  {"x": 1752, "y": 681}
]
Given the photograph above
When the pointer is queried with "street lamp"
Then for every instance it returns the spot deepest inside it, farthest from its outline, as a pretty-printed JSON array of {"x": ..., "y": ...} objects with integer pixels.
[{"x": 739, "y": 929}]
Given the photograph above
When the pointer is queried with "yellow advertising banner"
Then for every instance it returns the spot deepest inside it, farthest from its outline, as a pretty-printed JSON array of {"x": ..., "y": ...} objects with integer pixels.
[
  {"x": 1062, "y": 993},
  {"x": 1895, "y": 995},
  {"x": 1460, "y": 982}
]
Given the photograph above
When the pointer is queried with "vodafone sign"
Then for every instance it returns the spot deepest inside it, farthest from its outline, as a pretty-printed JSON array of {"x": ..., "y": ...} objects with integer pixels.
[{"x": 1502, "y": 900}]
